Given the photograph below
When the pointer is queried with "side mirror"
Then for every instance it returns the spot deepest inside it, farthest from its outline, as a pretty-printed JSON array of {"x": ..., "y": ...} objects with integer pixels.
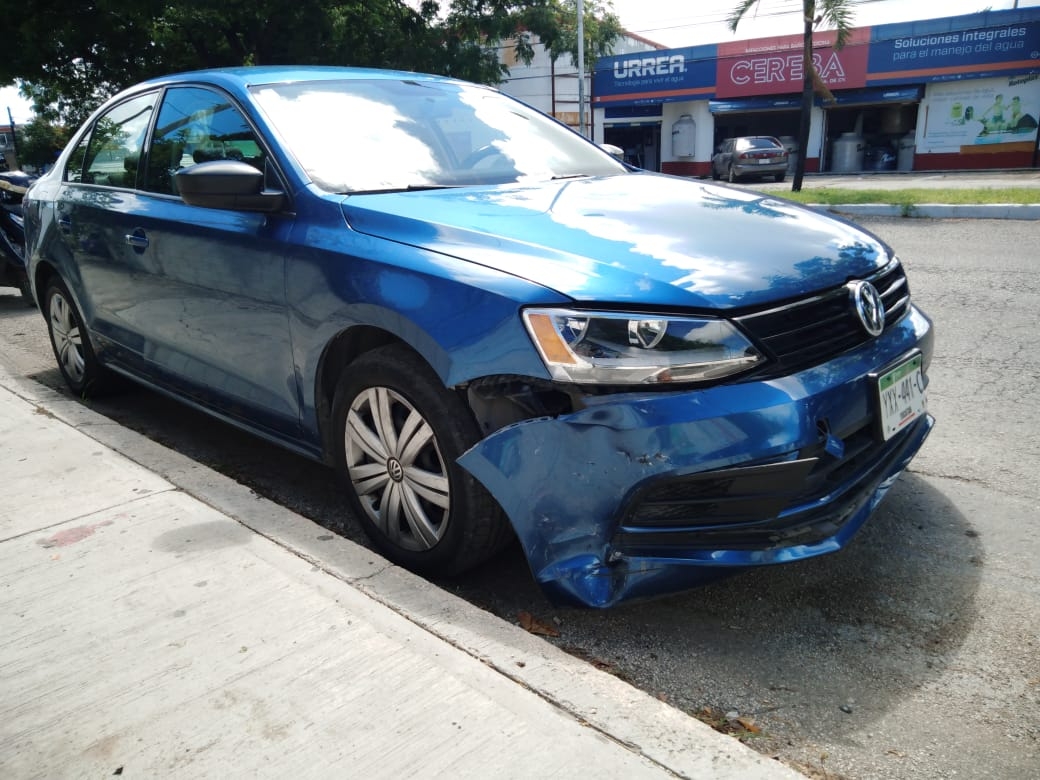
[
  {"x": 227, "y": 184},
  {"x": 614, "y": 151}
]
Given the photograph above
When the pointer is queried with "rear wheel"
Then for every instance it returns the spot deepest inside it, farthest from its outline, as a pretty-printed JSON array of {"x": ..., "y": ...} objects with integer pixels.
[
  {"x": 71, "y": 343},
  {"x": 732, "y": 175},
  {"x": 399, "y": 432},
  {"x": 778, "y": 177}
]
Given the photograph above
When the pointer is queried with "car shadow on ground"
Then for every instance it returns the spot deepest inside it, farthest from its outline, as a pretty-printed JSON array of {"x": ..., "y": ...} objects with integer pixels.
[{"x": 816, "y": 647}]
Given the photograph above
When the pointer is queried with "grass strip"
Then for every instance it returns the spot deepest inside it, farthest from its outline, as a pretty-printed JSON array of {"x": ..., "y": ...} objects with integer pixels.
[{"x": 913, "y": 197}]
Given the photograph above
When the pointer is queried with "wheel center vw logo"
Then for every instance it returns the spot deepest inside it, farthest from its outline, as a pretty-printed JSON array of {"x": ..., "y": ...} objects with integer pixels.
[
  {"x": 868, "y": 305},
  {"x": 395, "y": 469}
]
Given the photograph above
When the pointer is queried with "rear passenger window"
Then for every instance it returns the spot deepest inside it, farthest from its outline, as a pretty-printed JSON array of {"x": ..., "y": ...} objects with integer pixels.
[
  {"x": 197, "y": 125},
  {"x": 112, "y": 153}
]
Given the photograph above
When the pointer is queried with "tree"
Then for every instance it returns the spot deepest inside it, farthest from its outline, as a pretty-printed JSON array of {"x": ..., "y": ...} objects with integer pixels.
[
  {"x": 69, "y": 58},
  {"x": 601, "y": 29},
  {"x": 40, "y": 142},
  {"x": 837, "y": 13}
]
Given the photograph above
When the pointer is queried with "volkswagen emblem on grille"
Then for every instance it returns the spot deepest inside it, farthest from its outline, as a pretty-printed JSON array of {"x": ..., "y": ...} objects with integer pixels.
[
  {"x": 868, "y": 305},
  {"x": 395, "y": 469}
]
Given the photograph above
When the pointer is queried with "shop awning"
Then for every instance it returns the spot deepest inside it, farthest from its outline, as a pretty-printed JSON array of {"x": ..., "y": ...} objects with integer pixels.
[
  {"x": 874, "y": 96},
  {"x": 633, "y": 116},
  {"x": 760, "y": 103}
]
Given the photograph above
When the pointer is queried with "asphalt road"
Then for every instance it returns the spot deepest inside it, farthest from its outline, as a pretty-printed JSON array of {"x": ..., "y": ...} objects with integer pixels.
[{"x": 915, "y": 653}]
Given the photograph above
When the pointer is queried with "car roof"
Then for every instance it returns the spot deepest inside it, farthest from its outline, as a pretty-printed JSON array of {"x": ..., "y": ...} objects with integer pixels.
[{"x": 247, "y": 77}]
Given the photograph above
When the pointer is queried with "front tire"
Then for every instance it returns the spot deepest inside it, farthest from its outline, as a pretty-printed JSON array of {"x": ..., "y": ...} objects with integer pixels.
[
  {"x": 78, "y": 363},
  {"x": 399, "y": 432}
]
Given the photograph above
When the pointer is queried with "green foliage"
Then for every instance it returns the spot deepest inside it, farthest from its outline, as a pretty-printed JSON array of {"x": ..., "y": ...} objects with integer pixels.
[
  {"x": 836, "y": 13},
  {"x": 70, "y": 57},
  {"x": 40, "y": 142},
  {"x": 600, "y": 25}
]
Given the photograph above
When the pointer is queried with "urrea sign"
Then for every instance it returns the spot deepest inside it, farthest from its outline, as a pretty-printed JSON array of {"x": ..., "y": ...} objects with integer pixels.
[{"x": 649, "y": 66}]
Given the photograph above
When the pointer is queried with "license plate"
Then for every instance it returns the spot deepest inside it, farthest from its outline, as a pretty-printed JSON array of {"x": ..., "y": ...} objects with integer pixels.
[
  {"x": 901, "y": 396},
  {"x": 765, "y": 161}
]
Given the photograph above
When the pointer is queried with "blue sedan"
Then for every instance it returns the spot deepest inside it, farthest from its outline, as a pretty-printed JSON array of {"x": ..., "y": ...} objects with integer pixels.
[{"x": 489, "y": 326}]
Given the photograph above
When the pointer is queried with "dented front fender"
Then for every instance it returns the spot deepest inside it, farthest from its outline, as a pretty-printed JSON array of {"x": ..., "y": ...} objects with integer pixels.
[{"x": 567, "y": 483}]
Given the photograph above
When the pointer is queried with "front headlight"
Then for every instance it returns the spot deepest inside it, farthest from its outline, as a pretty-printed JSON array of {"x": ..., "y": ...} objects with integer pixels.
[{"x": 598, "y": 347}]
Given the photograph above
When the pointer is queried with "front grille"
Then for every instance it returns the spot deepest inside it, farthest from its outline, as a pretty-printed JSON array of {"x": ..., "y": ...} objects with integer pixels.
[
  {"x": 757, "y": 507},
  {"x": 809, "y": 332},
  {"x": 725, "y": 497}
]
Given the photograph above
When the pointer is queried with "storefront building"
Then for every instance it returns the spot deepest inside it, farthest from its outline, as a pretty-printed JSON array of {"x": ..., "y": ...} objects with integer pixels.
[{"x": 942, "y": 94}]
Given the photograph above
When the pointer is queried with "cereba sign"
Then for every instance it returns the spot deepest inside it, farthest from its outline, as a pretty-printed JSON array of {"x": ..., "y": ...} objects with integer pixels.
[
  {"x": 769, "y": 70},
  {"x": 770, "y": 66}
]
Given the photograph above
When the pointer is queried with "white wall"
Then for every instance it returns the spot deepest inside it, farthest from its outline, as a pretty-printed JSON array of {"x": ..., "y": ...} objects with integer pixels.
[{"x": 536, "y": 84}]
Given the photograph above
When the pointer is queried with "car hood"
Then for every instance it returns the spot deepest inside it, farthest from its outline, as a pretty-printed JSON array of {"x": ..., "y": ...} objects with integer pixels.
[{"x": 638, "y": 237}]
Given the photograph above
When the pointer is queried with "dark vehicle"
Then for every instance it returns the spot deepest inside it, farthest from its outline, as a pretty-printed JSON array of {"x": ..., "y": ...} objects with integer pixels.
[
  {"x": 750, "y": 156},
  {"x": 13, "y": 185},
  {"x": 485, "y": 323}
]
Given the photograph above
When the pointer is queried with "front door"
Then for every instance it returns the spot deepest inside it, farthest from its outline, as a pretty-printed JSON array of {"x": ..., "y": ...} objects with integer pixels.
[{"x": 192, "y": 298}]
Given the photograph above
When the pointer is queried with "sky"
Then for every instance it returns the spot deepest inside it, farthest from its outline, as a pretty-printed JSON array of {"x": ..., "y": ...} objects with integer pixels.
[
  {"x": 678, "y": 23},
  {"x": 21, "y": 111}
]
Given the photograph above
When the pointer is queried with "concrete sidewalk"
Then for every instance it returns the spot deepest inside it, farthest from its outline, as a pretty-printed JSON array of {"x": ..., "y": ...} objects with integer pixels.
[{"x": 160, "y": 620}]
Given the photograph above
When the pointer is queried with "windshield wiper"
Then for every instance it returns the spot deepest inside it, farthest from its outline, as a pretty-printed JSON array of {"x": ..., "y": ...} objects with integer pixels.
[
  {"x": 409, "y": 188},
  {"x": 571, "y": 176}
]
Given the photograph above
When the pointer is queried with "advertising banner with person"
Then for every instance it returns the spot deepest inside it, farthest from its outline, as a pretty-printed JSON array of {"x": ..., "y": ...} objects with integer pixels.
[{"x": 996, "y": 114}]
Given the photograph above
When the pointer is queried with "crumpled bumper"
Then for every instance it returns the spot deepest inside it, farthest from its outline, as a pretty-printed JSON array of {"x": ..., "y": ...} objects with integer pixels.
[{"x": 644, "y": 494}]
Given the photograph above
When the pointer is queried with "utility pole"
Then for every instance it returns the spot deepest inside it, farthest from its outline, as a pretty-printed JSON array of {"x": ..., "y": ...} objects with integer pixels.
[
  {"x": 14, "y": 139},
  {"x": 581, "y": 66}
]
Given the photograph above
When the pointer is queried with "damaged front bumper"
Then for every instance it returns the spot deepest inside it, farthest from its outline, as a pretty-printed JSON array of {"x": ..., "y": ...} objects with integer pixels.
[{"x": 644, "y": 494}]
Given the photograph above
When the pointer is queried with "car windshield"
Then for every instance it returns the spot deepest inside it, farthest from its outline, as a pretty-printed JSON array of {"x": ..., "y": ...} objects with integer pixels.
[{"x": 389, "y": 135}]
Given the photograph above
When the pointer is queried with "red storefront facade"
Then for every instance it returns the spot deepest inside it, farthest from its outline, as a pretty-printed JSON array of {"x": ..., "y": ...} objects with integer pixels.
[{"x": 955, "y": 93}]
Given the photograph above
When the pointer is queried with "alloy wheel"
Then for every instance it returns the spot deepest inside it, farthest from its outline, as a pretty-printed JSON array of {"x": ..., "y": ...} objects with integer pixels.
[{"x": 67, "y": 338}]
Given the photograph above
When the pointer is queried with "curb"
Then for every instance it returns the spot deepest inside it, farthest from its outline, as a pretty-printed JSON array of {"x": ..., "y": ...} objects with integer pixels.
[{"x": 936, "y": 210}]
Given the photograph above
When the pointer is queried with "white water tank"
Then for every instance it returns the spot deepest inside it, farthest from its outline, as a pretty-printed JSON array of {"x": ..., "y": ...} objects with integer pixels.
[
  {"x": 684, "y": 136},
  {"x": 906, "y": 152},
  {"x": 848, "y": 154},
  {"x": 790, "y": 143}
]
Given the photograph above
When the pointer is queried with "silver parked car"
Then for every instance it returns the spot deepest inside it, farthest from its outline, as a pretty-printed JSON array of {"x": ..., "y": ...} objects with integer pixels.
[{"x": 753, "y": 155}]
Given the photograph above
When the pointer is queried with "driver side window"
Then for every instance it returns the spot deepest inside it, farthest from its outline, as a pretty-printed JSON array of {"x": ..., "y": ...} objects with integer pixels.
[{"x": 197, "y": 125}]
